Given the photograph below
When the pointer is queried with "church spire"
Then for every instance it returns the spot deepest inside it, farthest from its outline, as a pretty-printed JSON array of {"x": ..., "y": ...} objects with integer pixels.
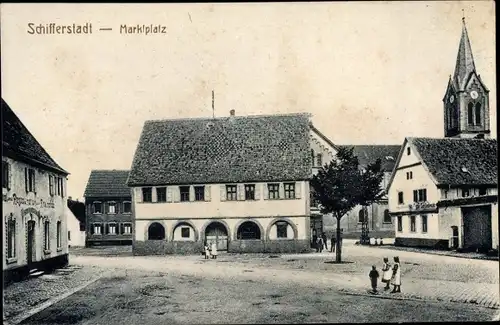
[{"x": 465, "y": 61}]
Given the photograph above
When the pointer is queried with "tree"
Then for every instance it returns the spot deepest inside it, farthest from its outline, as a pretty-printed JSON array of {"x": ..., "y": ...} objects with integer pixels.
[{"x": 343, "y": 184}]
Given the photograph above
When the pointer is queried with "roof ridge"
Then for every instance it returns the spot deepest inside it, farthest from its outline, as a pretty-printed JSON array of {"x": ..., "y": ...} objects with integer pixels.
[{"x": 228, "y": 117}]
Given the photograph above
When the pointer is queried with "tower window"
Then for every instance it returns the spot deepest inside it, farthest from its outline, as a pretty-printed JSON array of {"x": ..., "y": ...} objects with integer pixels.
[
  {"x": 478, "y": 114},
  {"x": 470, "y": 114}
]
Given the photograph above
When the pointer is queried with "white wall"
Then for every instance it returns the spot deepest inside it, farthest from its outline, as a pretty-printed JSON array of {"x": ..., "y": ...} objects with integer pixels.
[
  {"x": 77, "y": 237},
  {"x": 51, "y": 207},
  {"x": 432, "y": 227},
  {"x": 273, "y": 233},
  {"x": 494, "y": 226},
  {"x": 215, "y": 208}
]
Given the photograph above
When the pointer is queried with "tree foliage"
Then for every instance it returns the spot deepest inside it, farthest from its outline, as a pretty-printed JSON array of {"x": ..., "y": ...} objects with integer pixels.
[{"x": 343, "y": 184}]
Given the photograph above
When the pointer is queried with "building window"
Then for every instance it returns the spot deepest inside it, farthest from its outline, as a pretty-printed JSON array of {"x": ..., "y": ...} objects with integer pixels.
[
  {"x": 147, "y": 194},
  {"x": 312, "y": 157},
  {"x": 408, "y": 151},
  {"x": 231, "y": 192},
  {"x": 361, "y": 216},
  {"x": 248, "y": 230},
  {"x": 420, "y": 195},
  {"x": 111, "y": 207},
  {"x": 249, "y": 192},
  {"x": 11, "y": 238},
  {"x": 51, "y": 185},
  {"x": 184, "y": 190},
  {"x": 29, "y": 179},
  {"x": 281, "y": 229},
  {"x": 470, "y": 114},
  {"x": 46, "y": 235},
  {"x": 127, "y": 207},
  {"x": 59, "y": 239},
  {"x": 97, "y": 207},
  {"x": 400, "y": 223},
  {"x": 161, "y": 194},
  {"x": 199, "y": 193},
  {"x": 319, "y": 159},
  {"x": 127, "y": 229},
  {"x": 400, "y": 198},
  {"x": 424, "y": 222},
  {"x": 412, "y": 223},
  {"x": 5, "y": 174},
  {"x": 185, "y": 232},
  {"x": 482, "y": 191},
  {"x": 445, "y": 194},
  {"x": 478, "y": 114},
  {"x": 112, "y": 229},
  {"x": 59, "y": 185},
  {"x": 69, "y": 235},
  {"x": 387, "y": 216},
  {"x": 409, "y": 175},
  {"x": 273, "y": 190},
  {"x": 156, "y": 231},
  {"x": 289, "y": 190},
  {"x": 465, "y": 192},
  {"x": 96, "y": 229}
]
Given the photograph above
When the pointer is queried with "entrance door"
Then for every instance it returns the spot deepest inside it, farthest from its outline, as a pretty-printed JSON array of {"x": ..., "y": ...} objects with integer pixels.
[
  {"x": 477, "y": 227},
  {"x": 216, "y": 232},
  {"x": 30, "y": 249}
]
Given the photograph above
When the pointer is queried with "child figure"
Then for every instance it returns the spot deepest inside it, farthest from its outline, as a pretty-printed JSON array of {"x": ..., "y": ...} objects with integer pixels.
[
  {"x": 374, "y": 278},
  {"x": 213, "y": 250},
  {"x": 207, "y": 251},
  {"x": 386, "y": 273}
]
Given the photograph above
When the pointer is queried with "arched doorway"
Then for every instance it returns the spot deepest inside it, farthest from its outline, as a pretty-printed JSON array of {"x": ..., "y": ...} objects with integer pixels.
[
  {"x": 217, "y": 232},
  {"x": 156, "y": 231},
  {"x": 248, "y": 230}
]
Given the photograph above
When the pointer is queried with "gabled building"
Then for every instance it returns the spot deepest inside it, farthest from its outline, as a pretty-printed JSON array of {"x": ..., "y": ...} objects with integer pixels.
[
  {"x": 443, "y": 192},
  {"x": 378, "y": 220},
  {"x": 109, "y": 213},
  {"x": 34, "y": 202},
  {"x": 241, "y": 182},
  {"x": 76, "y": 223}
]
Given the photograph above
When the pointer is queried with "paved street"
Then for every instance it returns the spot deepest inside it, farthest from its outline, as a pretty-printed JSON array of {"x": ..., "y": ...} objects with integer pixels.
[{"x": 435, "y": 288}]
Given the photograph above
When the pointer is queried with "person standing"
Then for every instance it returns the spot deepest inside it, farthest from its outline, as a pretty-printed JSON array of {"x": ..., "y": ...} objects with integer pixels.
[
  {"x": 396, "y": 276},
  {"x": 207, "y": 251},
  {"x": 325, "y": 241},
  {"x": 374, "y": 278},
  {"x": 320, "y": 244},
  {"x": 386, "y": 273},
  {"x": 214, "y": 250},
  {"x": 332, "y": 244}
]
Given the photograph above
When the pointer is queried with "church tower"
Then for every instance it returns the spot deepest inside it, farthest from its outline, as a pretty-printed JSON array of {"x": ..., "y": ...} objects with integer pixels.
[{"x": 466, "y": 102}]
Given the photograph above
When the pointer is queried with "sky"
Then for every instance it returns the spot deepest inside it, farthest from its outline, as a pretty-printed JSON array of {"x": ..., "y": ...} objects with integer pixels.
[{"x": 369, "y": 73}]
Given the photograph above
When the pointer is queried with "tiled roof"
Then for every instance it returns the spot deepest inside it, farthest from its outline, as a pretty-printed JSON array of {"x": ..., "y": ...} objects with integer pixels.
[
  {"x": 455, "y": 161},
  {"x": 232, "y": 149},
  {"x": 78, "y": 210},
  {"x": 17, "y": 140},
  {"x": 367, "y": 154},
  {"x": 108, "y": 183}
]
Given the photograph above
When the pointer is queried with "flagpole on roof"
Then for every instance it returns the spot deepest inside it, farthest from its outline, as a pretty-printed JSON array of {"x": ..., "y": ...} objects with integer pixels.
[{"x": 213, "y": 107}]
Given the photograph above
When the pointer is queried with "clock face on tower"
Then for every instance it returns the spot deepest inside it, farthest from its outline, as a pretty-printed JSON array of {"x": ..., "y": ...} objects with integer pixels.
[
  {"x": 452, "y": 99},
  {"x": 473, "y": 94}
]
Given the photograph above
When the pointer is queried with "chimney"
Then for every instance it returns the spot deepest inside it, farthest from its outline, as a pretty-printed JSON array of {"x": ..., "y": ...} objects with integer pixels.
[{"x": 231, "y": 112}]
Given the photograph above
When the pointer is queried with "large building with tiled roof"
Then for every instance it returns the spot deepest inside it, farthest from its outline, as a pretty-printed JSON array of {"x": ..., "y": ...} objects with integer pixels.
[
  {"x": 34, "y": 202},
  {"x": 108, "y": 206},
  {"x": 376, "y": 217},
  {"x": 443, "y": 192},
  {"x": 239, "y": 181}
]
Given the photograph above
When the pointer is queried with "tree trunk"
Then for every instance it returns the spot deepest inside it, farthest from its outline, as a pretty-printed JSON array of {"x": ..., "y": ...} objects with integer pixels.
[{"x": 338, "y": 255}]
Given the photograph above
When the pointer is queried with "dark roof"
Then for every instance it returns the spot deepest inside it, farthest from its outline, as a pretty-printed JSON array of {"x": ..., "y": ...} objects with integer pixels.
[
  {"x": 232, "y": 149},
  {"x": 21, "y": 144},
  {"x": 108, "y": 183},
  {"x": 465, "y": 60},
  {"x": 454, "y": 161},
  {"x": 78, "y": 210},
  {"x": 368, "y": 154}
]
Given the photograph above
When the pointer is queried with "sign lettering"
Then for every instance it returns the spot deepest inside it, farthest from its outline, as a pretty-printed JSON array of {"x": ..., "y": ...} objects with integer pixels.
[{"x": 20, "y": 201}]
